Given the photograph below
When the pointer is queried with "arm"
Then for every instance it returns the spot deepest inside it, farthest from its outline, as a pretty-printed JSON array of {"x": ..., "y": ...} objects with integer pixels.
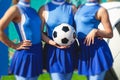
[
  {"x": 12, "y": 14},
  {"x": 103, "y": 16},
  {"x": 45, "y": 38},
  {"x": 42, "y": 16},
  {"x": 74, "y": 9}
]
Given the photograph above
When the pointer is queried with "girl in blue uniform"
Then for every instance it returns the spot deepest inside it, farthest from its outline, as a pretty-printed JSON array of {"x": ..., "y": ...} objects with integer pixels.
[
  {"x": 59, "y": 58},
  {"x": 27, "y": 60},
  {"x": 95, "y": 56}
]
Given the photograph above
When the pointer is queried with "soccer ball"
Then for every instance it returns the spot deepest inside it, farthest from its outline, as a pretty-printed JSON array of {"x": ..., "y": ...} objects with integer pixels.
[{"x": 64, "y": 34}]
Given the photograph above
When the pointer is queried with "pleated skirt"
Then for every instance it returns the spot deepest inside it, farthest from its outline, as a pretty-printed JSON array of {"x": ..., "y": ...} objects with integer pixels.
[
  {"x": 27, "y": 63},
  {"x": 95, "y": 58},
  {"x": 60, "y": 60}
]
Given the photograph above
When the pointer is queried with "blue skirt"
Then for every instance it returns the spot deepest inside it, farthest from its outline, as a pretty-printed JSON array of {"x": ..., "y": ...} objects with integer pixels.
[
  {"x": 60, "y": 60},
  {"x": 27, "y": 63},
  {"x": 95, "y": 58}
]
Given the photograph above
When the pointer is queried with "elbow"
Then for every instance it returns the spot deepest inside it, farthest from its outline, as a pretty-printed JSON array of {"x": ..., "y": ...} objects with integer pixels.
[
  {"x": 0, "y": 30},
  {"x": 110, "y": 35},
  {"x": 0, "y": 35}
]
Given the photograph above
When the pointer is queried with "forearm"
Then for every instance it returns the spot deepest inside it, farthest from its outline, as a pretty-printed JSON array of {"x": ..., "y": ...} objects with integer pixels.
[
  {"x": 4, "y": 39},
  {"x": 47, "y": 39},
  {"x": 107, "y": 31},
  {"x": 104, "y": 34}
]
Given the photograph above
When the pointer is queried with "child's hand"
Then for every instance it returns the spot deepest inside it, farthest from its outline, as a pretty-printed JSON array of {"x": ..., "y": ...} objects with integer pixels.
[{"x": 23, "y": 45}]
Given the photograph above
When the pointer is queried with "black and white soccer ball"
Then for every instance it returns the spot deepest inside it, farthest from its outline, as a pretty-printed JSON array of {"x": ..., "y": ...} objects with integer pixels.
[{"x": 64, "y": 34}]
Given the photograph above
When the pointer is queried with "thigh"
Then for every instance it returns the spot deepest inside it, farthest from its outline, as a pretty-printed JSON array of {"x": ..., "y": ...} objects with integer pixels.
[
  {"x": 33, "y": 78},
  {"x": 19, "y": 78},
  {"x": 68, "y": 76},
  {"x": 57, "y": 76},
  {"x": 24, "y": 78},
  {"x": 98, "y": 77}
]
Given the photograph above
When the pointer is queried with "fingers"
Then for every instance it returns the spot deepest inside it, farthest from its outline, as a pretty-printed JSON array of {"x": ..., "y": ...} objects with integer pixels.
[
  {"x": 89, "y": 41},
  {"x": 63, "y": 47},
  {"x": 23, "y": 45},
  {"x": 26, "y": 43},
  {"x": 92, "y": 41}
]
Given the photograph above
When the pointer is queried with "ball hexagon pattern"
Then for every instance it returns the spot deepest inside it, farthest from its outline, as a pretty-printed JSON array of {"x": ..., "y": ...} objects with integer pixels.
[{"x": 64, "y": 34}]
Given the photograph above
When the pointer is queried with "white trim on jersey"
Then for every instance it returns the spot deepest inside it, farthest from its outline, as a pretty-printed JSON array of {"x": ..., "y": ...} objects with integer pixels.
[
  {"x": 21, "y": 28},
  {"x": 20, "y": 25},
  {"x": 91, "y": 4},
  {"x": 27, "y": 5}
]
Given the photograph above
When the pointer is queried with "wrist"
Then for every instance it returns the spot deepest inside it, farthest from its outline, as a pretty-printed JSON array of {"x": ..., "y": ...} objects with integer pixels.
[
  {"x": 51, "y": 42},
  {"x": 12, "y": 45},
  {"x": 96, "y": 31}
]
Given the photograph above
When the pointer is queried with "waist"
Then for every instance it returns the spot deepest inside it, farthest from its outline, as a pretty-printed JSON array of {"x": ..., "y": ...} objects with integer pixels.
[{"x": 34, "y": 48}]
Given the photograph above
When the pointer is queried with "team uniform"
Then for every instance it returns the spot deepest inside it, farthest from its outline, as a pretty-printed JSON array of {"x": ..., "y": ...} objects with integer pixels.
[
  {"x": 96, "y": 58},
  {"x": 28, "y": 63},
  {"x": 59, "y": 60}
]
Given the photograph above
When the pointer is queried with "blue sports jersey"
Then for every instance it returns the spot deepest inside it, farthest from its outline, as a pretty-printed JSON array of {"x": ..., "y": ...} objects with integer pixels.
[
  {"x": 29, "y": 27},
  {"x": 85, "y": 19},
  {"x": 28, "y": 62},
  {"x": 59, "y": 60},
  {"x": 97, "y": 57},
  {"x": 58, "y": 14}
]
